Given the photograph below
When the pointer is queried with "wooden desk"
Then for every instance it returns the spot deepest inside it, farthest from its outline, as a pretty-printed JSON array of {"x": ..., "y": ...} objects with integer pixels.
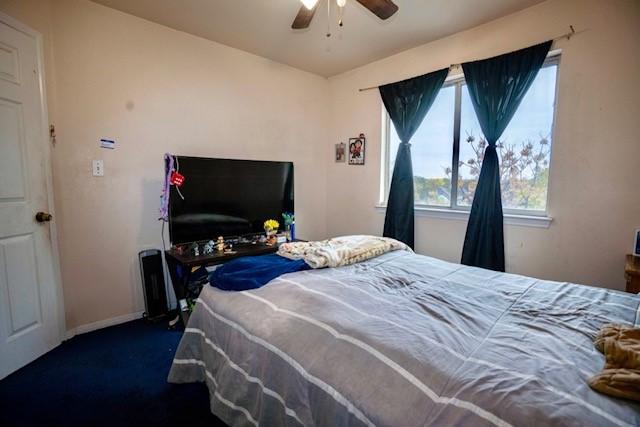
[{"x": 632, "y": 274}]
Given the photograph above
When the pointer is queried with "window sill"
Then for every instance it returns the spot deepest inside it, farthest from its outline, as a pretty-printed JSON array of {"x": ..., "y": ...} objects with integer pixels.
[{"x": 463, "y": 215}]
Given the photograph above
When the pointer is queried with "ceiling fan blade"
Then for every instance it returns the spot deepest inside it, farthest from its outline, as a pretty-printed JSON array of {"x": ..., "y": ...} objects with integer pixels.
[
  {"x": 383, "y": 9},
  {"x": 303, "y": 18}
]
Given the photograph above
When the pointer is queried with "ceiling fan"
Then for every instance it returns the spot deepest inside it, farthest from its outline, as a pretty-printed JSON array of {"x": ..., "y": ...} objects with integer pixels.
[{"x": 383, "y": 9}]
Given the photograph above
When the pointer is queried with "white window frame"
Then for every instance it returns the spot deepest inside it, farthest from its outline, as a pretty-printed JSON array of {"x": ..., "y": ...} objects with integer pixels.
[{"x": 526, "y": 217}]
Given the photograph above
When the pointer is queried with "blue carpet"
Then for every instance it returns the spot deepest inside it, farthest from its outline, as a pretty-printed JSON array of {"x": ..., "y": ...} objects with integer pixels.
[{"x": 112, "y": 377}]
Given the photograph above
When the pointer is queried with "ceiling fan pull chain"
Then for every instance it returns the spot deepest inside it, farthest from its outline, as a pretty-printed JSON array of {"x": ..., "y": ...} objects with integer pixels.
[{"x": 328, "y": 18}]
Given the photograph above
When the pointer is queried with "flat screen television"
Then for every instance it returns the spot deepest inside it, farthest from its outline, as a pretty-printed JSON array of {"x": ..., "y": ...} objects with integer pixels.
[{"x": 229, "y": 198}]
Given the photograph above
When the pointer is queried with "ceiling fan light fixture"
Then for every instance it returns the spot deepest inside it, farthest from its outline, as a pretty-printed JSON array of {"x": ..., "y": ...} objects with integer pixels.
[
  {"x": 383, "y": 9},
  {"x": 309, "y": 4}
]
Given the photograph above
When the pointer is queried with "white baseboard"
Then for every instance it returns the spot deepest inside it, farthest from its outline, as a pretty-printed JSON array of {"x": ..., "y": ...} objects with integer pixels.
[{"x": 82, "y": 329}]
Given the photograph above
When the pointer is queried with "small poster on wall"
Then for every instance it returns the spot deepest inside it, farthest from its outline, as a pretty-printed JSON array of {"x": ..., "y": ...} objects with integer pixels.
[
  {"x": 356, "y": 150},
  {"x": 341, "y": 152}
]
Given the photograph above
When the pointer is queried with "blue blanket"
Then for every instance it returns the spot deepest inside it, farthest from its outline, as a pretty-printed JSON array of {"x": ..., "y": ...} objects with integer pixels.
[{"x": 252, "y": 272}]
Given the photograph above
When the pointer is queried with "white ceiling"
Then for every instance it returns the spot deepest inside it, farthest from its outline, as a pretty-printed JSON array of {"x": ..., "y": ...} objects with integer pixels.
[{"x": 263, "y": 27}]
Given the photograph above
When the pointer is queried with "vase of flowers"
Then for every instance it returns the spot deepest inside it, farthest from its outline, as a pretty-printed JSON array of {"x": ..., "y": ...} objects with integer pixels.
[{"x": 289, "y": 221}]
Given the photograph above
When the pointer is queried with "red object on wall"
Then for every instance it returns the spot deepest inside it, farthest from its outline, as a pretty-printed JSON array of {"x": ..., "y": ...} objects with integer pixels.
[{"x": 176, "y": 179}]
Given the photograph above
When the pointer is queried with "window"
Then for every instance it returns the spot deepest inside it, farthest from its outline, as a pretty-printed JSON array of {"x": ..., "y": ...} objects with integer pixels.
[{"x": 448, "y": 147}]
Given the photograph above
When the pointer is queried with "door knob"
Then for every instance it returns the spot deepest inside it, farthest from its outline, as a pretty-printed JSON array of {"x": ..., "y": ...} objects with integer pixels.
[{"x": 43, "y": 217}]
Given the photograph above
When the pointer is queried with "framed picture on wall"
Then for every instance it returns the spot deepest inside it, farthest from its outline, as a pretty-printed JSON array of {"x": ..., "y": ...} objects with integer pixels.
[
  {"x": 357, "y": 150},
  {"x": 636, "y": 244},
  {"x": 341, "y": 151}
]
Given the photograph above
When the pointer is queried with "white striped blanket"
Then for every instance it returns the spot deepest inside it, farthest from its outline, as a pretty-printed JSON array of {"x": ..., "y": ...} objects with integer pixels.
[
  {"x": 340, "y": 251},
  {"x": 405, "y": 340}
]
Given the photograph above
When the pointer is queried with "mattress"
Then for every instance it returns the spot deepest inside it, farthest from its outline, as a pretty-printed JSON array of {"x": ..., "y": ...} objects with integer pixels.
[{"x": 404, "y": 340}]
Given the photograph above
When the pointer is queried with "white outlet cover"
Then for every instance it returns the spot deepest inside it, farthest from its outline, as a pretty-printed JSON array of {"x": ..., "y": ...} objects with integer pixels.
[{"x": 98, "y": 167}]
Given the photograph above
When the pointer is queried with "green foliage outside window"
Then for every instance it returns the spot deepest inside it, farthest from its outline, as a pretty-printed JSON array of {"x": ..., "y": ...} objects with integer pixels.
[{"x": 524, "y": 173}]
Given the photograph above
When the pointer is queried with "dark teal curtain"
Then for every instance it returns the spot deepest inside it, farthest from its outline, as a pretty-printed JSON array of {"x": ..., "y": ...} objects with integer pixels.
[
  {"x": 407, "y": 102},
  {"x": 496, "y": 87}
]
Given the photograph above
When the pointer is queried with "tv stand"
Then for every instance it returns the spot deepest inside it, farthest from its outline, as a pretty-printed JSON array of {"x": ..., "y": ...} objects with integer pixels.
[{"x": 180, "y": 265}]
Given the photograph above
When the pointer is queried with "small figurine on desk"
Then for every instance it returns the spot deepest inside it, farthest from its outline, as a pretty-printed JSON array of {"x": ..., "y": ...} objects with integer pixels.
[
  {"x": 272, "y": 240},
  {"x": 220, "y": 244},
  {"x": 271, "y": 229},
  {"x": 195, "y": 250},
  {"x": 208, "y": 248},
  {"x": 229, "y": 249}
]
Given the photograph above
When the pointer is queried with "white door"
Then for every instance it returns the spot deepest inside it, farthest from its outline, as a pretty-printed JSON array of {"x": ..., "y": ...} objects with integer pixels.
[{"x": 29, "y": 293}]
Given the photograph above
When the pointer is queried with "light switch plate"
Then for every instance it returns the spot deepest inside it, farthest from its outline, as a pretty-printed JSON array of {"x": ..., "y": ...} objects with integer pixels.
[{"x": 98, "y": 167}]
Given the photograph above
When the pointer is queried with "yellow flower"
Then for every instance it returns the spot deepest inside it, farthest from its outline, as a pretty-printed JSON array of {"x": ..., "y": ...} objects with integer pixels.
[{"x": 271, "y": 224}]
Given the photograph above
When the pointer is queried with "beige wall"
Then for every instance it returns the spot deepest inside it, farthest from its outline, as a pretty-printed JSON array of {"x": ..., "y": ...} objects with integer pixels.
[
  {"x": 157, "y": 90},
  {"x": 593, "y": 195}
]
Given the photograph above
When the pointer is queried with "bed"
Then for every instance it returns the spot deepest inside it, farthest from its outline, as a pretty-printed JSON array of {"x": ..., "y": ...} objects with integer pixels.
[{"x": 404, "y": 340}]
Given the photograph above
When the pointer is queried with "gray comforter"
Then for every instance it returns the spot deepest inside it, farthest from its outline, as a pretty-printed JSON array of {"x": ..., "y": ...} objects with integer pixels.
[{"x": 404, "y": 340}]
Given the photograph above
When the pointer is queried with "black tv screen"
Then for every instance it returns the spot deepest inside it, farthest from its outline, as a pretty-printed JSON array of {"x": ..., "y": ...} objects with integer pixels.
[{"x": 228, "y": 198}]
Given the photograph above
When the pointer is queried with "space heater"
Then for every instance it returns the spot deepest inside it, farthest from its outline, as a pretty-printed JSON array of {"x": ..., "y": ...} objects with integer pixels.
[{"x": 153, "y": 284}]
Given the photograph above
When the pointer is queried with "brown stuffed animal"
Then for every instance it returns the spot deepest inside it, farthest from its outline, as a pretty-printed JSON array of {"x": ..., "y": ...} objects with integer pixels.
[{"x": 621, "y": 374}]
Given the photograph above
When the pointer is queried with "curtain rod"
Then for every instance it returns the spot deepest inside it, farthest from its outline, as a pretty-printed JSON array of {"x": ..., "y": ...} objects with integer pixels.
[{"x": 567, "y": 36}]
